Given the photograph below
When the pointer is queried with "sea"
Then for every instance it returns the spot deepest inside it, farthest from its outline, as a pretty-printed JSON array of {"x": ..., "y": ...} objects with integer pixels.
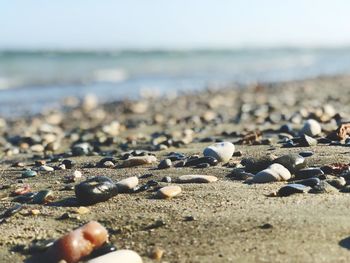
[{"x": 36, "y": 80}]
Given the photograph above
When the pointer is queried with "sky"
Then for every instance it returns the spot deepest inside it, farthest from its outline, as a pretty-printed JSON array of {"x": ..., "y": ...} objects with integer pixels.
[{"x": 117, "y": 24}]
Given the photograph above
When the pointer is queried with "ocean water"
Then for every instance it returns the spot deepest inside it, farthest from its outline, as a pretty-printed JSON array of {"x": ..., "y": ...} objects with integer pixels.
[{"x": 33, "y": 80}]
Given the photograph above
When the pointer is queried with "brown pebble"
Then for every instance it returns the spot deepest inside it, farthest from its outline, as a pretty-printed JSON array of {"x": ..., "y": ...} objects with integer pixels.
[
  {"x": 169, "y": 191},
  {"x": 157, "y": 253}
]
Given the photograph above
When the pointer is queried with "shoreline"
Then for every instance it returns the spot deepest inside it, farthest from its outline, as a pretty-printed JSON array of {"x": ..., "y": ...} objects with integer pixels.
[{"x": 224, "y": 221}]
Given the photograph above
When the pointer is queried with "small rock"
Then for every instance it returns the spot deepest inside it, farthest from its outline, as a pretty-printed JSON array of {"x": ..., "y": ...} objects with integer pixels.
[
  {"x": 203, "y": 165},
  {"x": 306, "y": 154},
  {"x": 221, "y": 151},
  {"x": 292, "y": 189},
  {"x": 69, "y": 164},
  {"x": 81, "y": 149},
  {"x": 311, "y": 128},
  {"x": 337, "y": 182},
  {"x": 95, "y": 190},
  {"x": 37, "y": 148},
  {"x": 46, "y": 168},
  {"x": 240, "y": 174},
  {"x": 253, "y": 165},
  {"x": 28, "y": 174},
  {"x": 196, "y": 161},
  {"x": 139, "y": 160},
  {"x": 122, "y": 256},
  {"x": 308, "y": 182},
  {"x": 164, "y": 164},
  {"x": 308, "y": 173},
  {"x": 293, "y": 162},
  {"x": 82, "y": 210},
  {"x": 323, "y": 188},
  {"x": 275, "y": 172},
  {"x": 43, "y": 197},
  {"x": 196, "y": 179},
  {"x": 169, "y": 191},
  {"x": 157, "y": 253},
  {"x": 127, "y": 185},
  {"x": 166, "y": 179},
  {"x": 108, "y": 164}
]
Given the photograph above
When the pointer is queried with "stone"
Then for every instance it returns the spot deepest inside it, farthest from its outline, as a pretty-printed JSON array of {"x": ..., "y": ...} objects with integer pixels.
[
  {"x": 221, "y": 151},
  {"x": 168, "y": 191},
  {"x": 308, "y": 173},
  {"x": 43, "y": 197},
  {"x": 309, "y": 182},
  {"x": 157, "y": 253},
  {"x": 275, "y": 172},
  {"x": 29, "y": 173},
  {"x": 127, "y": 185},
  {"x": 206, "y": 159},
  {"x": 306, "y": 141},
  {"x": 122, "y": 256},
  {"x": 166, "y": 179},
  {"x": 323, "y": 188},
  {"x": 81, "y": 149},
  {"x": 95, "y": 190},
  {"x": 306, "y": 154},
  {"x": 196, "y": 179},
  {"x": 337, "y": 182},
  {"x": 164, "y": 164},
  {"x": 311, "y": 128},
  {"x": 254, "y": 165},
  {"x": 69, "y": 164},
  {"x": 103, "y": 250},
  {"x": 46, "y": 168},
  {"x": 293, "y": 162},
  {"x": 290, "y": 189},
  {"x": 82, "y": 210},
  {"x": 240, "y": 174},
  {"x": 37, "y": 148},
  {"x": 139, "y": 160}
]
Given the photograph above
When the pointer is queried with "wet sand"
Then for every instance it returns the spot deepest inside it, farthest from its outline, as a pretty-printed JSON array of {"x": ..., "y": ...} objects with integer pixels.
[{"x": 224, "y": 221}]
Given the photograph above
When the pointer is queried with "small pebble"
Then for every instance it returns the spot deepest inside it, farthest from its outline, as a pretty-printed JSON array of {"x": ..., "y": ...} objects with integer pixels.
[
  {"x": 127, "y": 185},
  {"x": 169, "y": 191},
  {"x": 308, "y": 173},
  {"x": 28, "y": 174},
  {"x": 311, "y": 128},
  {"x": 164, "y": 164},
  {"x": 275, "y": 172},
  {"x": 292, "y": 189},
  {"x": 221, "y": 151},
  {"x": 197, "y": 179},
  {"x": 139, "y": 160},
  {"x": 122, "y": 256}
]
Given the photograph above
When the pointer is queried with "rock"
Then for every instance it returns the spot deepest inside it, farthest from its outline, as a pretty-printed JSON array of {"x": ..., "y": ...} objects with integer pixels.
[
  {"x": 139, "y": 160},
  {"x": 164, "y": 164},
  {"x": 240, "y": 174},
  {"x": 77, "y": 244},
  {"x": 122, "y": 256},
  {"x": 127, "y": 185},
  {"x": 166, "y": 179},
  {"x": 169, "y": 191},
  {"x": 311, "y": 128},
  {"x": 105, "y": 249},
  {"x": 37, "y": 148},
  {"x": 308, "y": 173},
  {"x": 82, "y": 210},
  {"x": 275, "y": 172},
  {"x": 253, "y": 165},
  {"x": 345, "y": 189},
  {"x": 323, "y": 188},
  {"x": 308, "y": 182},
  {"x": 69, "y": 164},
  {"x": 221, "y": 151},
  {"x": 46, "y": 168},
  {"x": 157, "y": 253},
  {"x": 95, "y": 190},
  {"x": 306, "y": 154},
  {"x": 293, "y": 162},
  {"x": 196, "y": 179},
  {"x": 108, "y": 164},
  {"x": 196, "y": 161},
  {"x": 202, "y": 165},
  {"x": 81, "y": 149},
  {"x": 293, "y": 189},
  {"x": 28, "y": 174},
  {"x": 306, "y": 141},
  {"x": 43, "y": 197},
  {"x": 337, "y": 182}
]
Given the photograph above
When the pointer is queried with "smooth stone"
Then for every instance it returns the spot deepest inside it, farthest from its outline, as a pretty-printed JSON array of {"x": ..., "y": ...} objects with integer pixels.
[
  {"x": 311, "y": 128},
  {"x": 122, "y": 256},
  {"x": 197, "y": 179},
  {"x": 203, "y": 165},
  {"x": 164, "y": 164},
  {"x": 166, "y": 179},
  {"x": 221, "y": 151},
  {"x": 81, "y": 149},
  {"x": 309, "y": 182},
  {"x": 275, "y": 172},
  {"x": 293, "y": 162},
  {"x": 306, "y": 153},
  {"x": 286, "y": 128},
  {"x": 345, "y": 189},
  {"x": 206, "y": 159},
  {"x": 240, "y": 174},
  {"x": 95, "y": 190},
  {"x": 323, "y": 188},
  {"x": 127, "y": 185},
  {"x": 29, "y": 173},
  {"x": 253, "y": 165},
  {"x": 11, "y": 211},
  {"x": 169, "y": 191},
  {"x": 46, "y": 168},
  {"x": 37, "y": 148},
  {"x": 338, "y": 182},
  {"x": 139, "y": 160},
  {"x": 306, "y": 141},
  {"x": 43, "y": 197},
  {"x": 308, "y": 173},
  {"x": 293, "y": 189},
  {"x": 69, "y": 164}
]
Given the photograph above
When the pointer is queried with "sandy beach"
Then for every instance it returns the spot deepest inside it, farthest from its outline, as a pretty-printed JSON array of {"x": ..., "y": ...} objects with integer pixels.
[{"x": 229, "y": 220}]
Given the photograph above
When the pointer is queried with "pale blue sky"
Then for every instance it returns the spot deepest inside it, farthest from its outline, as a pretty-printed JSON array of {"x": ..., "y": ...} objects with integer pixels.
[{"x": 172, "y": 23}]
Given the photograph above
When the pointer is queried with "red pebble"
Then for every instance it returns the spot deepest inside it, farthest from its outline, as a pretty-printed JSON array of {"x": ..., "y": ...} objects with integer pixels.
[{"x": 78, "y": 243}]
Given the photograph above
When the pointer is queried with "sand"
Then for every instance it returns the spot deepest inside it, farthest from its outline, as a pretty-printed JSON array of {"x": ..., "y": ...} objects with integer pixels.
[{"x": 225, "y": 221}]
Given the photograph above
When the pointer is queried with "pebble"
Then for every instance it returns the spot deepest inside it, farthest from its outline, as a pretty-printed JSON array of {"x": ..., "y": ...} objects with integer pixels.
[
  {"x": 95, "y": 190},
  {"x": 169, "y": 191},
  {"x": 254, "y": 165},
  {"x": 139, "y": 160},
  {"x": 157, "y": 253},
  {"x": 338, "y": 182},
  {"x": 345, "y": 189},
  {"x": 81, "y": 149},
  {"x": 46, "y": 168},
  {"x": 240, "y": 174},
  {"x": 108, "y": 164},
  {"x": 127, "y": 185},
  {"x": 306, "y": 154},
  {"x": 122, "y": 256},
  {"x": 37, "y": 148},
  {"x": 43, "y": 197},
  {"x": 308, "y": 173},
  {"x": 164, "y": 164},
  {"x": 311, "y": 128},
  {"x": 293, "y": 162},
  {"x": 322, "y": 188},
  {"x": 69, "y": 164},
  {"x": 203, "y": 165},
  {"x": 196, "y": 179},
  {"x": 11, "y": 211},
  {"x": 275, "y": 172},
  {"x": 78, "y": 243},
  {"x": 166, "y": 179},
  {"x": 306, "y": 141},
  {"x": 105, "y": 249},
  {"x": 196, "y": 161},
  {"x": 82, "y": 210},
  {"x": 221, "y": 151},
  {"x": 293, "y": 189},
  {"x": 309, "y": 182},
  {"x": 28, "y": 174}
]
